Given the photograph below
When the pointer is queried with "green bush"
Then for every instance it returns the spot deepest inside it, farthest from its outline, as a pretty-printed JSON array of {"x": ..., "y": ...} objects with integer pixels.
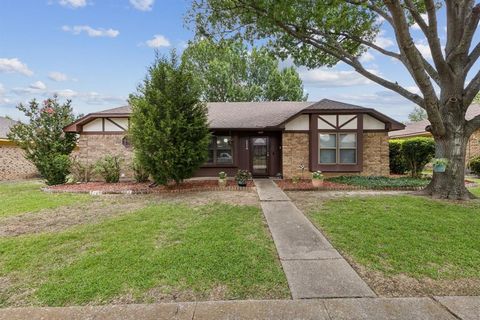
[
  {"x": 379, "y": 182},
  {"x": 81, "y": 172},
  {"x": 398, "y": 164},
  {"x": 109, "y": 168},
  {"x": 474, "y": 165},
  {"x": 417, "y": 152},
  {"x": 55, "y": 168},
  {"x": 139, "y": 172}
]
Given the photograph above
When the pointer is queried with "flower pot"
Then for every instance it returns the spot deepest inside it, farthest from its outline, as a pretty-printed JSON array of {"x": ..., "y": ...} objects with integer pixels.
[
  {"x": 439, "y": 168},
  {"x": 317, "y": 183},
  {"x": 222, "y": 183},
  {"x": 242, "y": 183}
]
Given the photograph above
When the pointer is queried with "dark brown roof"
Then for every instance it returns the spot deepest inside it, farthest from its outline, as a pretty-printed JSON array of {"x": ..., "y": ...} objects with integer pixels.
[
  {"x": 418, "y": 128},
  {"x": 252, "y": 115},
  {"x": 5, "y": 125}
]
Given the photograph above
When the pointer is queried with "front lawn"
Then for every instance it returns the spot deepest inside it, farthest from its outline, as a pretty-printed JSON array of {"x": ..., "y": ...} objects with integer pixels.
[
  {"x": 163, "y": 252},
  {"x": 407, "y": 237},
  {"x": 373, "y": 182},
  {"x": 22, "y": 197}
]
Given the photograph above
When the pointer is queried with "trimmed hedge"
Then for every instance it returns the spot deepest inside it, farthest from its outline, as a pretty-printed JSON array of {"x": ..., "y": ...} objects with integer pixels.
[
  {"x": 474, "y": 165},
  {"x": 411, "y": 155}
]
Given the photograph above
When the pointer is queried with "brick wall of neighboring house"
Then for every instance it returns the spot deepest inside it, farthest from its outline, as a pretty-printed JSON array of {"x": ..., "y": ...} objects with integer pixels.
[
  {"x": 473, "y": 147},
  {"x": 92, "y": 147},
  {"x": 295, "y": 148},
  {"x": 295, "y": 152},
  {"x": 13, "y": 165}
]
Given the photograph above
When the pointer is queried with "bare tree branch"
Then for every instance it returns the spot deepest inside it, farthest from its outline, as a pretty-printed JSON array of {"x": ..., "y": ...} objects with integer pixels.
[
  {"x": 471, "y": 90},
  {"x": 472, "y": 58},
  {"x": 469, "y": 28},
  {"x": 473, "y": 125}
]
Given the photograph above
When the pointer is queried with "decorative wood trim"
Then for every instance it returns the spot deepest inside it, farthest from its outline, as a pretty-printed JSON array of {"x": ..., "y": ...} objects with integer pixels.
[
  {"x": 103, "y": 124},
  {"x": 343, "y": 125},
  {"x": 296, "y": 131},
  {"x": 102, "y": 133},
  {"x": 328, "y": 122},
  {"x": 116, "y": 124}
]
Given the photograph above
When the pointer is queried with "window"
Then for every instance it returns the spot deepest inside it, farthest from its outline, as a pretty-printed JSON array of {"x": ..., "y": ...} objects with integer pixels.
[
  {"x": 220, "y": 150},
  {"x": 337, "y": 148},
  {"x": 126, "y": 142}
]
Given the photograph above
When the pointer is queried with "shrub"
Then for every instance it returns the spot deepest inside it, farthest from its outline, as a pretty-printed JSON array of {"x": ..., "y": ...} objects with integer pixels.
[
  {"x": 398, "y": 164},
  {"x": 109, "y": 168},
  {"x": 55, "y": 168},
  {"x": 417, "y": 153},
  {"x": 81, "y": 172},
  {"x": 43, "y": 140},
  {"x": 139, "y": 172},
  {"x": 474, "y": 165}
]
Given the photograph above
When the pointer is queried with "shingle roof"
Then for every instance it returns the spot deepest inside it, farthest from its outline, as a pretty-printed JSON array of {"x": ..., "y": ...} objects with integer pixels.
[
  {"x": 5, "y": 125},
  {"x": 418, "y": 128},
  {"x": 251, "y": 115}
]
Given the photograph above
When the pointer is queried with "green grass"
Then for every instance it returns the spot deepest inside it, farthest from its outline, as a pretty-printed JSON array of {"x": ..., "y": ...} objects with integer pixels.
[
  {"x": 408, "y": 235},
  {"x": 380, "y": 182},
  {"x": 172, "y": 247},
  {"x": 21, "y": 197}
]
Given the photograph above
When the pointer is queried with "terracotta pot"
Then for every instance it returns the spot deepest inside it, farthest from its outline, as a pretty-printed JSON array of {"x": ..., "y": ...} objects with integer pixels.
[
  {"x": 317, "y": 183},
  {"x": 222, "y": 183}
]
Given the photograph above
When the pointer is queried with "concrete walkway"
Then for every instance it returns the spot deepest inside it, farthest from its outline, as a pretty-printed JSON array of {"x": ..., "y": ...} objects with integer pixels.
[
  {"x": 314, "y": 269},
  {"x": 445, "y": 308}
]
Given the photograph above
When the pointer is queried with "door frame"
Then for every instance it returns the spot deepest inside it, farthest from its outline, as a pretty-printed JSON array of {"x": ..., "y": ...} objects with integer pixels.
[{"x": 250, "y": 142}]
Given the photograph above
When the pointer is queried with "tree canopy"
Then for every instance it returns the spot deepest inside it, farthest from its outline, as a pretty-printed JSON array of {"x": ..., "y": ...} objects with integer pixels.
[
  {"x": 169, "y": 123},
  {"x": 417, "y": 114},
  {"x": 228, "y": 71}
]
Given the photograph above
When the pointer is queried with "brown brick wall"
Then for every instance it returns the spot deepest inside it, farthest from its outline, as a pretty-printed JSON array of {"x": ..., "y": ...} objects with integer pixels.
[
  {"x": 295, "y": 148},
  {"x": 473, "y": 147},
  {"x": 375, "y": 154},
  {"x": 295, "y": 152},
  {"x": 92, "y": 147},
  {"x": 13, "y": 164}
]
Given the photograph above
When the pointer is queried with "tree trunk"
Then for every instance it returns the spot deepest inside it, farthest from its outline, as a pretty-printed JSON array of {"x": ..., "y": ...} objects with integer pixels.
[{"x": 451, "y": 183}]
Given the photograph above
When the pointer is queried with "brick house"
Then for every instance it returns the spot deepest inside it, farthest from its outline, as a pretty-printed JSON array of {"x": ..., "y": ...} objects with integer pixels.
[
  {"x": 418, "y": 129},
  {"x": 266, "y": 138},
  {"x": 13, "y": 164}
]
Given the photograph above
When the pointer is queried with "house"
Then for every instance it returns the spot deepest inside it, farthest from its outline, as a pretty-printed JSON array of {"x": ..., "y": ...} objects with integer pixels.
[
  {"x": 418, "y": 129},
  {"x": 13, "y": 164},
  {"x": 266, "y": 138}
]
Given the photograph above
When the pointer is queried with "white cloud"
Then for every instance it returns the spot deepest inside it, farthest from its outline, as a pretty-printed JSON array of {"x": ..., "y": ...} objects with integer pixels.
[
  {"x": 38, "y": 85},
  {"x": 2, "y": 98},
  {"x": 14, "y": 65},
  {"x": 66, "y": 93},
  {"x": 326, "y": 78},
  {"x": 367, "y": 57},
  {"x": 91, "y": 32},
  {"x": 424, "y": 17},
  {"x": 158, "y": 41},
  {"x": 73, "y": 3},
  {"x": 57, "y": 76},
  {"x": 384, "y": 42},
  {"x": 142, "y": 5}
]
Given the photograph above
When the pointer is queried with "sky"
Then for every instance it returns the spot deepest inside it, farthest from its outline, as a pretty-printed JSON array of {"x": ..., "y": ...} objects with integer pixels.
[{"x": 96, "y": 52}]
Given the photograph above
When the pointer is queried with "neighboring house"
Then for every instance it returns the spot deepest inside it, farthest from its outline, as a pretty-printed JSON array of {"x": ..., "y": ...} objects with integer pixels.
[
  {"x": 266, "y": 138},
  {"x": 417, "y": 129},
  {"x": 13, "y": 164}
]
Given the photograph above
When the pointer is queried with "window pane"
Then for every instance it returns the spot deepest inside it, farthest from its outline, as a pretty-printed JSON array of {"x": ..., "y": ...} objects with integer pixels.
[
  {"x": 328, "y": 156},
  {"x": 348, "y": 140},
  {"x": 328, "y": 140},
  {"x": 211, "y": 150},
  {"x": 224, "y": 150},
  {"x": 348, "y": 156}
]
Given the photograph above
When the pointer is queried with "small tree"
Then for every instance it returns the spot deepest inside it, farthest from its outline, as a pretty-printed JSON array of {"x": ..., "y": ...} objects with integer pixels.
[
  {"x": 169, "y": 122},
  {"x": 417, "y": 152},
  {"x": 43, "y": 140},
  {"x": 398, "y": 164},
  {"x": 417, "y": 114}
]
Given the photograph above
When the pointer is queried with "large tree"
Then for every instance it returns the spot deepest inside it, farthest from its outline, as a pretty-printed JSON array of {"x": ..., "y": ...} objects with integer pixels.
[
  {"x": 169, "y": 122},
  {"x": 319, "y": 33},
  {"x": 229, "y": 71}
]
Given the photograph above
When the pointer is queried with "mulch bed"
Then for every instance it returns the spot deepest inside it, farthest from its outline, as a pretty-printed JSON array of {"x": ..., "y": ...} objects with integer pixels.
[
  {"x": 306, "y": 185},
  {"x": 144, "y": 188}
]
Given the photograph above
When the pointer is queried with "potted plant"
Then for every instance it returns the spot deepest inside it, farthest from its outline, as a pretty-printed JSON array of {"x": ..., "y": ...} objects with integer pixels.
[
  {"x": 242, "y": 177},
  {"x": 317, "y": 179},
  {"x": 222, "y": 179},
  {"x": 439, "y": 164}
]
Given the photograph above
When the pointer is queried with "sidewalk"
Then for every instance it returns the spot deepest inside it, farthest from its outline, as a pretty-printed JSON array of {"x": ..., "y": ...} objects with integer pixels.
[
  {"x": 314, "y": 269},
  {"x": 445, "y": 308}
]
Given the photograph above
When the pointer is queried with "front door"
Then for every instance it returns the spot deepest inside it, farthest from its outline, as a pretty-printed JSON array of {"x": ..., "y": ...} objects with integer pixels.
[{"x": 259, "y": 155}]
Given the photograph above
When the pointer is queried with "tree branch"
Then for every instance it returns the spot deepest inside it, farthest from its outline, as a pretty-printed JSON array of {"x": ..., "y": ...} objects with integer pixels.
[
  {"x": 471, "y": 90},
  {"x": 469, "y": 28},
  {"x": 473, "y": 124},
  {"x": 472, "y": 58}
]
